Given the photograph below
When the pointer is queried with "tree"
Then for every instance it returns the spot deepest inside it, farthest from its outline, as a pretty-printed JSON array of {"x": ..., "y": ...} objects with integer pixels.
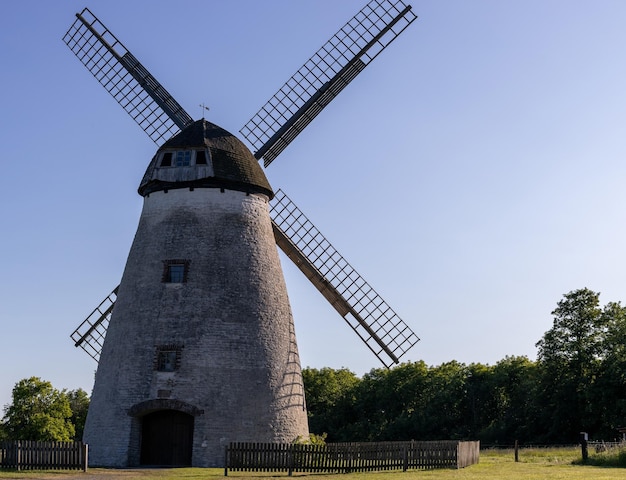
[
  {"x": 514, "y": 383},
  {"x": 79, "y": 403},
  {"x": 329, "y": 398},
  {"x": 482, "y": 399},
  {"x": 444, "y": 413},
  {"x": 388, "y": 403},
  {"x": 401, "y": 394},
  {"x": 609, "y": 398},
  {"x": 38, "y": 412},
  {"x": 569, "y": 355}
]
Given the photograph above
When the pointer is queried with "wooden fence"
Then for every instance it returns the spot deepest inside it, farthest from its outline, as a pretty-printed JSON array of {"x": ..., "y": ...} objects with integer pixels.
[
  {"x": 468, "y": 453},
  {"x": 30, "y": 455},
  {"x": 350, "y": 457}
]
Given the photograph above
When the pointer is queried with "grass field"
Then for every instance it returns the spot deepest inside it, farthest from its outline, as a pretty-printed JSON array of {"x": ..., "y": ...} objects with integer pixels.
[{"x": 534, "y": 464}]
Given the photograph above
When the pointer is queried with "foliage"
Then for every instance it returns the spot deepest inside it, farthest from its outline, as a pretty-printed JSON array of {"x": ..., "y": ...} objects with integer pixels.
[
  {"x": 79, "y": 404},
  {"x": 415, "y": 401},
  {"x": 312, "y": 439},
  {"x": 38, "y": 412},
  {"x": 568, "y": 354},
  {"x": 577, "y": 383},
  {"x": 578, "y": 358},
  {"x": 328, "y": 395},
  {"x": 609, "y": 394}
]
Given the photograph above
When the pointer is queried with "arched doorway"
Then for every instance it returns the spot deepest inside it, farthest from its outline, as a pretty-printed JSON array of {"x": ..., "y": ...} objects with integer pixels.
[{"x": 166, "y": 438}]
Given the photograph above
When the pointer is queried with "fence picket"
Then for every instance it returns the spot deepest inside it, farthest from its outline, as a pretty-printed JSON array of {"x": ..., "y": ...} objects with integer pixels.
[{"x": 33, "y": 455}]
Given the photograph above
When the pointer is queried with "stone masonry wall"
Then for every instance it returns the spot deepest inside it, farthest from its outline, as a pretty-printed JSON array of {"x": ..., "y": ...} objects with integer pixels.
[{"x": 238, "y": 371}]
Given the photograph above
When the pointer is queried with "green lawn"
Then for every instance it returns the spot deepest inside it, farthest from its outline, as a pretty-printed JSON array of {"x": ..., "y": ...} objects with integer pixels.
[{"x": 534, "y": 464}]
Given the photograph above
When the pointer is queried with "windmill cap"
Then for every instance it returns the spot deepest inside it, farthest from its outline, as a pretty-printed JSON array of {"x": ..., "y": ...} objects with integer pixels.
[{"x": 204, "y": 155}]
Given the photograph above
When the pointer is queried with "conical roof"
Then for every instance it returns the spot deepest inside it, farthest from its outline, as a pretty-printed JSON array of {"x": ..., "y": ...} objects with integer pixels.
[{"x": 204, "y": 155}]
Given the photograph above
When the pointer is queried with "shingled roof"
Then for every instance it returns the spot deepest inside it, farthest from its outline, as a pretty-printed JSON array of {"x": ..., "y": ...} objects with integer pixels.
[{"x": 229, "y": 163}]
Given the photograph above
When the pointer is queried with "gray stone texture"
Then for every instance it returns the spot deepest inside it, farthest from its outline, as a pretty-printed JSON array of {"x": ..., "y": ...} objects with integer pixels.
[{"x": 239, "y": 372}]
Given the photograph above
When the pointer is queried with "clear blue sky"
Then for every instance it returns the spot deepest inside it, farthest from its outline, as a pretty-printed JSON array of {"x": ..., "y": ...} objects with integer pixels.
[{"x": 473, "y": 174}]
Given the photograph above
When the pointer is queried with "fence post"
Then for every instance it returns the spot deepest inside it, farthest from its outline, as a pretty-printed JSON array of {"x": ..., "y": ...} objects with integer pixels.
[
  {"x": 516, "y": 451},
  {"x": 18, "y": 454},
  {"x": 405, "y": 465},
  {"x": 85, "y": 460},
  {"x": 226, "y": 460},
  {"x": 290, "y": 458},
  {"x": 583, "y": 445}
]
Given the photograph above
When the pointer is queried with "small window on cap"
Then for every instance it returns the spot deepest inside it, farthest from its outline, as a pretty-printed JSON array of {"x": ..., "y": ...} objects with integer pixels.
[
  {"x": 200, "y": 157},
  {"x": 167, "y": 159}
]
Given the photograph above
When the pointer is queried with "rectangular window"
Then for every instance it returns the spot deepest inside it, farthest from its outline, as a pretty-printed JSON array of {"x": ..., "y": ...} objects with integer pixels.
[
  {"x": 167, "y": 357},
  {"x": 167, "y": 159},
  {"x": 200, "y": 157},
  {"x": 176, "y": 274},
  {"x": 166, "y": 361},
  {"x": 175, "y": 271},
  {"x": 183, "y": 159}
]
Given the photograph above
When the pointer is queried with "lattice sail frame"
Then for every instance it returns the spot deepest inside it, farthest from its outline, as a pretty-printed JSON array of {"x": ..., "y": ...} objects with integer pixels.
[
  {"x": 373, "y": 320},
  {"x": 127, "y": 80},
  {"x": 160, "y": 116},
  {"x": 324, "y": 75},
  {"x": 90, "y": 334}
]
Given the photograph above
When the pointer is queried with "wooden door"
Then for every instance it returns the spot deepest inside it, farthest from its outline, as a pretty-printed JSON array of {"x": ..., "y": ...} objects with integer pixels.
[{"x": 166, "y": 438}]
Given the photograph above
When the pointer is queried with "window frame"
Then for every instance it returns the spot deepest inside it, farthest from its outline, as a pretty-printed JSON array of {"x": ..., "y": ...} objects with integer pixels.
[
  {"x": 171, "y": 352},
  {"x": 167, "y": 270},
  {"x": 170, "y": 158},
  {"x": 182, "y": 158}
]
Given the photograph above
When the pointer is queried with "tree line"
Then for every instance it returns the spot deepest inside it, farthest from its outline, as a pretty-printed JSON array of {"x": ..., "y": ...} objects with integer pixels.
[{"x": 577, "y": 383}]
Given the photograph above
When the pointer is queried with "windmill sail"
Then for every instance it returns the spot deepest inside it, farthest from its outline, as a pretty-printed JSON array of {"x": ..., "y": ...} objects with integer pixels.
[
  {"x": 127, "y": 80},
  {"x": 90, "y": 334},
  {"x": 324, "y": 75},
  {"x": 313, "y": 87},
  {"x": 385, "y": 334}
]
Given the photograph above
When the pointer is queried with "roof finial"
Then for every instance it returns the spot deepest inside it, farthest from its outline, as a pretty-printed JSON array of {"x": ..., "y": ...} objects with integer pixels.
[{"x": 204, "y": 107}]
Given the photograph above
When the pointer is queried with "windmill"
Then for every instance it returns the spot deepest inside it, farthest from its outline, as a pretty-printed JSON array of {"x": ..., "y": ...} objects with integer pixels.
[{"x": 196, "y": 347}]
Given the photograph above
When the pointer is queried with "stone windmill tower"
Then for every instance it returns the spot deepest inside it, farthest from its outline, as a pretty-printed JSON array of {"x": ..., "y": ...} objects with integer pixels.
[{"x": 196, "y": 346}]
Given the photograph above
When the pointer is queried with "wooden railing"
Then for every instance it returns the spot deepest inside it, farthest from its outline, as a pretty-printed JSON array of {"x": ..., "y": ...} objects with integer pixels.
[
  {"x": 350, "y": 457},
  {"x": 30, "y": 455}
]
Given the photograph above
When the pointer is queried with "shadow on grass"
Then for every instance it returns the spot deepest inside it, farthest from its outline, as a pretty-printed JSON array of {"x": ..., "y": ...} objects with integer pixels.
[{"x": 613, "y": 458}]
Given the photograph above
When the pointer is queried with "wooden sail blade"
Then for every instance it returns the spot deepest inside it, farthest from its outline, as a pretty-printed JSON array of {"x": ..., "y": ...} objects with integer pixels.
[
  {"x": 127, "y": 80},
  {"x": 324, "y": 75},
  {"x": 90, "y": 334},
  {"x": 375, "y": 322}
]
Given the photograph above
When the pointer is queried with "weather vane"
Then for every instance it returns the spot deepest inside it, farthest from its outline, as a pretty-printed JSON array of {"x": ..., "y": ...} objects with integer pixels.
[{"x": 203, "y": 107}]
